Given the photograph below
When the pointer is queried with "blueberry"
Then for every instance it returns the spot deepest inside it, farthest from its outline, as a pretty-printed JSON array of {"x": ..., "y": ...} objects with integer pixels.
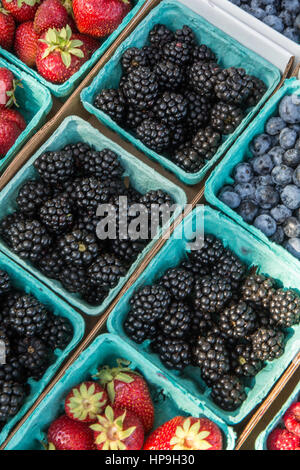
[
  {"x": 266, "y": 224},
  {"x": 289, "y": 109},
  {"x": 297, "y": 22},
  {"x": 263, "y": 180},
  {"x": 291, "y": 157},
  {"x": 290, "y": 5},
  {"x": 276, "y": 153},
  {"x": 286, "y": 18},
  {"x": 261, "y": 144},
  {"x": 297, "y": 145},
  {"x": 280, "y": 213},
  {"x": 274, "y": 22},
  {"x": 275, "y": 125},
  {"x": 271, "y": 10},
  {"x": 293, "y": 246},
  {"x": 248, "y": 210},
  {"x": 287, "y": 138},
  {"x": 292, "y": 34},
  {"x": 290, "y": 196},
  {"x": 282, "y": 175},
  {"x": 296, "y": 176},
  {"x": 236, "y": 2},
  {"x": 263, "y": 164},
  {"x": 243, "y": 173},
  {"x": 229, "y": 197},
  {"x": 278, "y": 236},
  {"x": 258, "y": 13},
  {"x": 296, "y": 128},
  {"x": 266, "y": 197},
  {"x": 245, "y": 190},
  {"x": 291, "y": 227}
]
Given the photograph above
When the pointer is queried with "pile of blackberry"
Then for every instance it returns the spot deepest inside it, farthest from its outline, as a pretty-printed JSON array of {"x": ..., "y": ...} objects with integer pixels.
[
  {"x": 30, "y": 334},
  {"x": 212, "y": 313},
  {"x": 55, "y": 225},
  {"x": 175, "y": 97}
]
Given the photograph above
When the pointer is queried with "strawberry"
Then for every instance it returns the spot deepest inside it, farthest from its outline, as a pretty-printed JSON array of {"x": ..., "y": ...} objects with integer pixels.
[
  {"x": 7, "y": 29},
  {"x": 50, "y": 14},
  {"x": 22, "y": 10},
  {"x": 99, "y": 18},
  {"x": 90, "y": 43},
  {"x": 182, "y": 433},
  {"x": 8, "y": 86},
  {"x": 66, "y": 434},
  {"x": 9, "y": 132},
  {"x": 59, "y": 56},
  {"x": 128, "y": 390},
  {"x": 14, "y": 116},
  {"x": 117, "y": 429},
  {"x": 292, "y": 419},
  {"x": 282, "y": 439},
  {"x": 26, "y": 43},
  {"x": 85, "y": 402}
]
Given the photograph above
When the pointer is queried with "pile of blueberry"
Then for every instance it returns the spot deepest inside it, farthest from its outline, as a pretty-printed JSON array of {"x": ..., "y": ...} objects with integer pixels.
[
  {"x": 266, "y": 187},
  {"x": 281, "y": 15}
]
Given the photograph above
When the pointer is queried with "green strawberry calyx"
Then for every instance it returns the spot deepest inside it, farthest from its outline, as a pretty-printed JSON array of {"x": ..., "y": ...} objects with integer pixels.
[
  {"x": 60, "y": 41},
  {"x": 68, "y": 6},
  {"x": 30, "y": 3},
  {"x": 111, "y": 430},
  {"x": 190, "y": 436},
  {"x": 11, "y": 94},
  {"x": 2, "y": 10},
  {"x": 86, "y": 402}
]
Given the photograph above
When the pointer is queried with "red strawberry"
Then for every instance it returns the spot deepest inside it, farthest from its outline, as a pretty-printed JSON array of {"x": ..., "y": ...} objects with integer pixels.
[
  {"x": 7, "y": 88},
  {"x": 22, "y": 10},
  {"x": 128, "y": 390},
  {"x": 59, "y": 56},
  {"x": 292, "y": 419},
  {"x": 7, "y": 29},
  {"x": 50, "y": 14},
  {"x": 90, "y": 43},
  {"x": 26, "y": 43},
  {"x": 14, "y": 116},
  {"x": 185, "y": 434},
  {"x": 66, "y": 434},
  {"x": 85, "y": 402},
  {"x": 99, "y": 18},
  {"x": 282, "y": 439},
  {"x": 9, "y": 132},
  {"x": 118, "y": 429}
]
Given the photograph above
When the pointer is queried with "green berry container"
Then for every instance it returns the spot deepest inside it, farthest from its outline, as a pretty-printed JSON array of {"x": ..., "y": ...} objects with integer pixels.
[
  {"x": 65, "y": 89},
  {"x": 240, "y": 152},
  {"x": 261, "y": 441},
  {"x": 142, "y": 177},
  {"x": 23, "y": 281},
  {"x": 169, "y": 400},
  {"x": 253, "y": 253},
  {"x": 34, "y": 102},
  {"x": 229, "y": 52}
]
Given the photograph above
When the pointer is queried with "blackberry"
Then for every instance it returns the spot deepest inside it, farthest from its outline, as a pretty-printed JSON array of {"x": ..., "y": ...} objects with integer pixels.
[
  {"x": 7, "y": 222},
  {"x": 173, "y": 353},
  {"x": 211, "y": 355},
  {"x": 233, "y": 86},
  {"x": 178, "y": 134},
  {"x": 104, "y": 164},
  {"x": 156, "y": 201},
  {"x": 154, "y": 135},
  {"x": 238, "y": 320},
  {"x": 203, "y": 77},
  {"x": 4, "y": 339},
  {"x": 94, "y": 295},
  {"x": 90, "y": 192},
  {"x": 154, "y": 55},
  {"x": 259, "y": 89},
  {"x": 179, "y": 283},
  {"x": 132, "y": 58},
  {"x": 169, "y": 75},
  {"x": 78, "y": 248},
  {"x": 226, "y": 117},
  {"x": 141, "y": 88},
  {"x": 56, "y": 214},
  {"x": 52, "y": 264},
  {"x": 106, "y": 271},
  {"x": 160, "y": 35},
  {"x": 285, "y": 308},
  {"x": 199, "y": 109},
  {"x": 258, "y": 289},
  {"x": 135, "y": 117},
  {"x": 111, "y": 102},
  {"x": 55, "y": 167},
  {"x": 78, "y": 151},
  {"x": 137, "y": 329},
  {"x": 29, "y": 239},
  {"x": 186, "y": 35},
  {"x": 210, "y": 252},
  {"x": 187, "y": 158},
  {"x": 228, "y": 392},
  {"x": 177, "y": 52},
  {"x": 27, "y": 315},
  {"x": 67, "y": 190},
  {"x": 243, "y": 361},
  {"x": 12, "y": 371},
  {"x": 33, "y": 355},
  {"x": 206, "y": 142},
  {"x": 7, "y": 302},
  {"x": 12, "y": 396},
  {"x": 150, "y": 303},
  {"x": 57, "y": 333},
  {"x": 212, "y": 293},
  {"x": 195, "y": 267},
  {"x": 170, "y": 108},
  {"x": 264, "y": 317},
  {"x": 201, "y": 323},
  {"x": 74, "y": 279},
  {"x": 32, "y": 195},
  {"x": 157, "y": 197},
  {"x": 5, "y": 285},
  {"x": 230, "y": 266},
  {"x": 177, "y": 322},
  {"x": 202, "y": 53},
  {"x": 267, "y": 343},
  {"x": 127, "y": 250}
]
